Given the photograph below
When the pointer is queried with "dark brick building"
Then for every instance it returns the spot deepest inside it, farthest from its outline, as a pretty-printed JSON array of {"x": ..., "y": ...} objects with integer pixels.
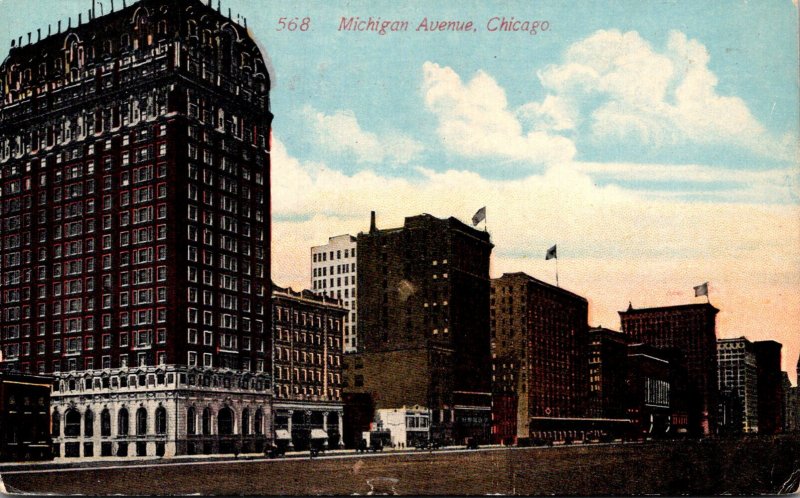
[
  {"x": 307, "y": 366},
  {"x": 423, "y": 322},
  {"x": 770, "y": 386},
  {"x": 655, "y": 394},
  {"x": 539, "y": 334},
  {"x": 692, "y": 330},
  {"x": 607, "y": 355},
  {"x": 24, "y": 416},
  {"x": 134, "y": 194}
]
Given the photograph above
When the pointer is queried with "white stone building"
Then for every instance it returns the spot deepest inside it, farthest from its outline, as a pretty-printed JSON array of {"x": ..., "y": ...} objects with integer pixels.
[
  {"x": 408, "y": 426},
  {"x": 160, "y": 411},
  {"x": 334, "y": 274}
]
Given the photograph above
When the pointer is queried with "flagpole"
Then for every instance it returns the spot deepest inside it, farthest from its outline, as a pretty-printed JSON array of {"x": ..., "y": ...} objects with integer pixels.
[{"x": 557, "y": 272}]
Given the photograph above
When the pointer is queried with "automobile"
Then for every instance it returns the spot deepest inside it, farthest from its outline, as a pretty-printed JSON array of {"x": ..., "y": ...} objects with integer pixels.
[
  {"x": 275, "y": 450},
  {"x": 429, "y": 445}
]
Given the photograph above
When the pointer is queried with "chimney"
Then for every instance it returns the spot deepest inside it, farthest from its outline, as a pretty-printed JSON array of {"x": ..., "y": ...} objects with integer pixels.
[{"x": 372, "y": 227}]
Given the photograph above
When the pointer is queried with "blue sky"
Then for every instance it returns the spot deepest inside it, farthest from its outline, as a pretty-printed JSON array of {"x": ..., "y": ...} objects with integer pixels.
[{"x": 656, "y": 142}]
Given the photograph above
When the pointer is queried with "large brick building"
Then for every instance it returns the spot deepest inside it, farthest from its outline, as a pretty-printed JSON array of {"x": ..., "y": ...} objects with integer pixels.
[
  {"x": 691, "y": 329},
  {"x": 607, "y": 353},
  {"x": 134, "y": 203},
  {"x": 539, "y": 339},
  {"x": 307, "y": 367},
  {"x": 423, "y": 322}
]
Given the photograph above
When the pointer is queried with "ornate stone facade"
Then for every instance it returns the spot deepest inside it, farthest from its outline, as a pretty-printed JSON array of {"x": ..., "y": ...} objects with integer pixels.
[{"x": 155, "y": 411}]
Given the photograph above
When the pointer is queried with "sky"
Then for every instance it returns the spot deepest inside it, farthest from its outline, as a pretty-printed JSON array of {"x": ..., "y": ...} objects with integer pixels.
[{"x": 656, "y": 143}]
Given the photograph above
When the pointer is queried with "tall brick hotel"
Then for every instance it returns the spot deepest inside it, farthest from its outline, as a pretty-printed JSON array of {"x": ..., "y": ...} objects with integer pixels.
[
  {"x": 135, "y": 228},
  {"x": 423, "y": 323}
]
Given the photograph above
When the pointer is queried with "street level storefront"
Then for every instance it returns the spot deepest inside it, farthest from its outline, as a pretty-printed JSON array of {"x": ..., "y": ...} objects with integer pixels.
[
  {"x": 576, "y": 429},
  {"x": 301, "y": 424}
]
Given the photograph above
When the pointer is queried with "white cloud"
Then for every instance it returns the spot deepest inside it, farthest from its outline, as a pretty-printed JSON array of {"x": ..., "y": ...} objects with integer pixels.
[
  {"x": 627, "y": 89},
  {"x": 341, "y": 133},
  {"x": 474, "y": 120},
  {"x": 615, "y": 245}
]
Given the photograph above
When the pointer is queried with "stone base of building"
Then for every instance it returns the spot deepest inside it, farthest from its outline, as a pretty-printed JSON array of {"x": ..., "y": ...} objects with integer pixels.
[
  {"x": 160, "y": 412},
  {"x": 301, "y": 424}
]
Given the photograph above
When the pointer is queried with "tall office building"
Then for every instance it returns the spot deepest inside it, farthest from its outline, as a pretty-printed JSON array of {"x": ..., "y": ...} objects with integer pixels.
[
  {"x": 691, "y": 329},
  {"x": 423, "y": 322},
  {"x": 738, "y": 385},
  {"x": 770, "y": 386},
  {"x": 333, "y": 274},
  {"x": 135, "y": 172},
  {"x": 539, "y": 339}
]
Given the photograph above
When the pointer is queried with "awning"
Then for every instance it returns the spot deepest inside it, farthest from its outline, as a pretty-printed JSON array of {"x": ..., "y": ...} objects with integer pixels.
[
  {"x": 318, "y": 434},
  {"x": 282, "y": 434}
]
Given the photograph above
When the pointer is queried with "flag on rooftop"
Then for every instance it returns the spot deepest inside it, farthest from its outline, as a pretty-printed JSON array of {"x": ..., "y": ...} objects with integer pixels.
[
  {"x": 479, "y": 216},
  {"x": 551, "y": 254},
  {"x": 701, "y": 290}
]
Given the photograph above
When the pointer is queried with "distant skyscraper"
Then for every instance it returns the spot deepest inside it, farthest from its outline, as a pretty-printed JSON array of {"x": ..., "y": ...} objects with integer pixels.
[
  {"x": 738, "y": 385},
  {"x": 691, "y": 329},
  {"x": 134, "y": 213},
  {"x": 423, "y": 321},
  {"x": 334, "y": 274},
  {"x": 770, "y": 388}
]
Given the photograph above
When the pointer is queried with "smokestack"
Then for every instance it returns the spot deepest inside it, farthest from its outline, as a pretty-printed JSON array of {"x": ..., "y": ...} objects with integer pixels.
[{"x": 372, "y": 227}]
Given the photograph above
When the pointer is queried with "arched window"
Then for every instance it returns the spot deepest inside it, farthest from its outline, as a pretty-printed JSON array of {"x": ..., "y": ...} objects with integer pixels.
[
  {"x": 245, "y": 422},
  {"x": 141, "y": 421},
  {"x": 72, "y": 423},
  {"x": 88, "y": 423},
  {"x": 161, "y": 420},
  {"x": 56, "y": 425},
  {"x": 105, "y": 423},
  {"x": 258, "y": 422},
  {"x": 207, "y": 422},
  {"x": 122, "y": 422},
  {"x": 191, "y": 421},
  {"x": 225, "y": 422}
]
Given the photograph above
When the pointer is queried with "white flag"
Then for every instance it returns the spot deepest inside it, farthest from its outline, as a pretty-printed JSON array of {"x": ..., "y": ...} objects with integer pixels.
[{"x": 701, "y": 290}]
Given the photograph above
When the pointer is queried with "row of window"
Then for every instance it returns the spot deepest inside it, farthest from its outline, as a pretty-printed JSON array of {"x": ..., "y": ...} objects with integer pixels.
[
  {"x": 333, "y": 255},
  {"x": 339, "y": 269},
  {"x": 142, "y": 359},
  {"x": 74, "y": 421}
]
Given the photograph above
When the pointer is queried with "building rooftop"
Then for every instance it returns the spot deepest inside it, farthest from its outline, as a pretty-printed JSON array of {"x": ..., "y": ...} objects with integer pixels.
[
  {"x": 632, "y": 311},
  {"x": 307, "y": 295},
  {"x": 539, "y": 283},
  {"x": 411, "y": 222}
]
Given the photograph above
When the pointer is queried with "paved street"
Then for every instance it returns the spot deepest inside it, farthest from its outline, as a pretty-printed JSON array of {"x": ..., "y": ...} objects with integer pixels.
[{"x": 758, "y": 465}]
